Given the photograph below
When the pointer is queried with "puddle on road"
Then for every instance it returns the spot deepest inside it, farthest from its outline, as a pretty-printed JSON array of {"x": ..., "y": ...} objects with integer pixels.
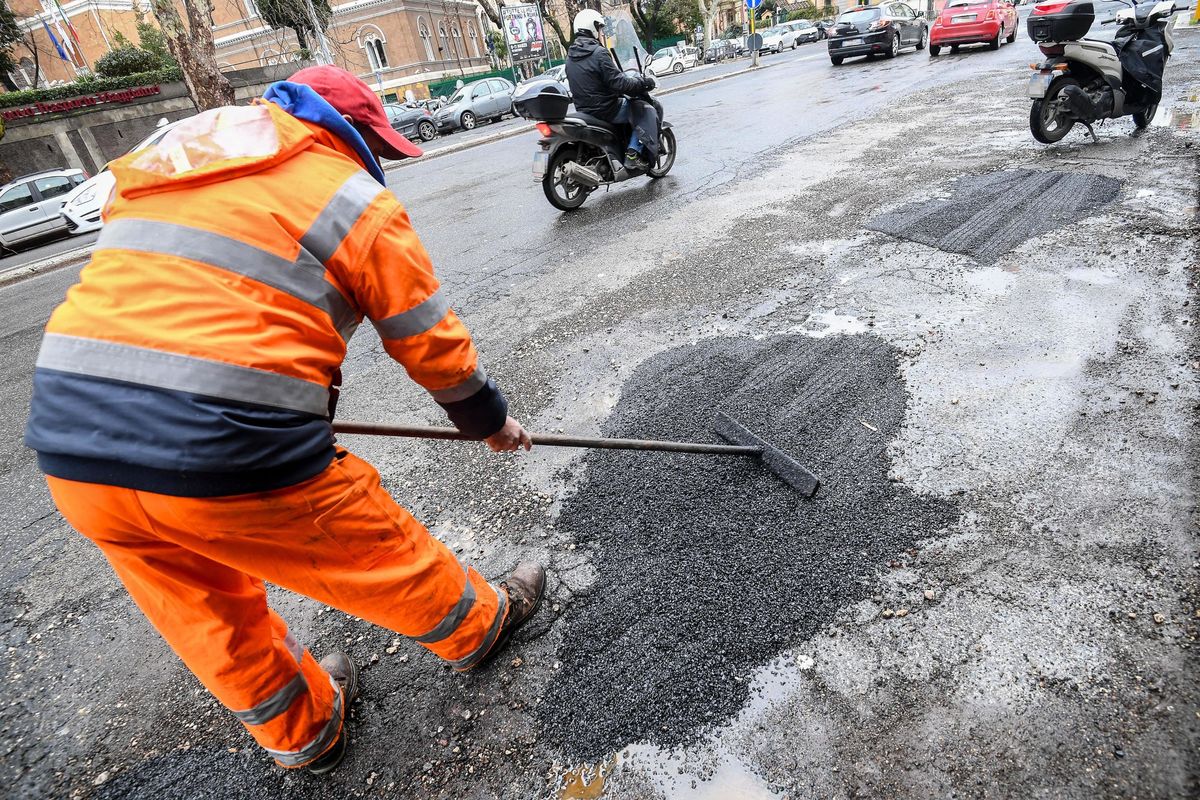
[
  {"x": 1177, "y": 118},
  {"x": 1091, "y": 275},
  {"x": 585, "y": 782},
  {"x": 832, "y": 323}
]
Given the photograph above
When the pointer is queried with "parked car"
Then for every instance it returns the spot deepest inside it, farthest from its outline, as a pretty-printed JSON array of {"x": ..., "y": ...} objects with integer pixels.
[
  {"x": 81, "y": 208},
  {"x": 414, "y": 121},
  {"x": 29, "y": 205},
  {"x": 556, "y": 75},
  {"x": 973, "y": 22},
  {"x": 719, "y": 50},
  {"x": 884, "y": 29},
  {"x": 778, "y": 39},
  {"x": 486, "y": 99},
  {"x": 673, "y": 60},
  {"x": 826, "y": 26},
  {"x": 805, "y": 31}
]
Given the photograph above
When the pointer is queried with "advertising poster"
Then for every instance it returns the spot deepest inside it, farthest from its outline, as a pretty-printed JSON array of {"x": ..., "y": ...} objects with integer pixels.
[{"x": 524, "y": 33}]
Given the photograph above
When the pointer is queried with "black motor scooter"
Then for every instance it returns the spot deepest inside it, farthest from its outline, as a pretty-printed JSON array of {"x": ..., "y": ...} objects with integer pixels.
[{"x": 579, "y": 153}]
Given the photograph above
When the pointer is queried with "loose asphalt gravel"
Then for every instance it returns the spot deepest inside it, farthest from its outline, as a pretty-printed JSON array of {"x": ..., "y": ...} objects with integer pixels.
[
  {"x": 985, "y": 216},
  {"x": 709, "y": 566}
]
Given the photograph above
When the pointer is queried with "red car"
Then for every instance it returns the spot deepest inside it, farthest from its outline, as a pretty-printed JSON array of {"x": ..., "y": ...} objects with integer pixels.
[{"x": 973, "y": 22}]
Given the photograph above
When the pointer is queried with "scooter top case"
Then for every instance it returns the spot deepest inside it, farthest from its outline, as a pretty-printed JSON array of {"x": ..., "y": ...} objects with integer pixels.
[{"x": 1060, "y": 21}]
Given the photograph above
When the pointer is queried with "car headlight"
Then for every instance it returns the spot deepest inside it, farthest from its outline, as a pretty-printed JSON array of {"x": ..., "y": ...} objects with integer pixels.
[{"x": 88, "y": 196}]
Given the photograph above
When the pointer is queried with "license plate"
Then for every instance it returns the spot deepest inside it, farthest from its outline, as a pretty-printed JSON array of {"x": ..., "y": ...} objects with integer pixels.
[
  {"x": 1039, "y": 83},
  {"x": 964, "y": 18},
  {"x": 851, "y": 42},
  {"x": 541, "y": 162}
]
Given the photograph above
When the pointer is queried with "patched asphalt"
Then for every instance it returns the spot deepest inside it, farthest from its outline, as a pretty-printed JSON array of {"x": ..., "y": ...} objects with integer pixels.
[
  {"x": 707, "y": 566},
  {"x": 987, "y": 215}
]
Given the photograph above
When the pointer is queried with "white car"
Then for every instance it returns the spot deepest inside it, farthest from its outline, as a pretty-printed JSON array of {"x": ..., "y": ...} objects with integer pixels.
[
  {"x": 673, "y": 60},
  {"x": 778, "y": 39},
  {"x": 81, "y": 208}
]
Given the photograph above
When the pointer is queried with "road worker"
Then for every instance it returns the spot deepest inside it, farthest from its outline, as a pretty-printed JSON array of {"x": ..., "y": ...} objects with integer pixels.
[{"x": 182, "y": 401}]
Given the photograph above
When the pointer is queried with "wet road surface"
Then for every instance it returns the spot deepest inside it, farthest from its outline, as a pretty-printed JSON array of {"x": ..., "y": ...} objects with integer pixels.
[{"x": 1034, "y": 636}]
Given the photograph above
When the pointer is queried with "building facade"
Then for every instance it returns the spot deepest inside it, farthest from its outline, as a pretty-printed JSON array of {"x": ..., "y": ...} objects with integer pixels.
[{"x": 393, "y": 45}]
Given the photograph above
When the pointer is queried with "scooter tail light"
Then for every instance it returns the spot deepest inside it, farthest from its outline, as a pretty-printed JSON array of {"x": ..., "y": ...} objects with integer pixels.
[{"x": 543, "y": 129}]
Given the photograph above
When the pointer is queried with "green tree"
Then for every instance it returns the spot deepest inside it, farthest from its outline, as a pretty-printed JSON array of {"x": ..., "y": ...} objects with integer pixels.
[
  {"x": 127, "y": 60},
  {"x": 151, "y": 39},
  {"x": 10, "y": 37}
]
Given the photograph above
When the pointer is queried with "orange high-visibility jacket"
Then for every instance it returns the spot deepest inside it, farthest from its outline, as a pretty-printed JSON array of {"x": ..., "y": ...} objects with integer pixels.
[{"x": 196, "y": 354}]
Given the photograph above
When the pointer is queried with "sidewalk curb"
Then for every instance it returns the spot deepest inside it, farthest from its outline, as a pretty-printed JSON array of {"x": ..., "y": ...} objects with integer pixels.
[
  {"x": 511, "y": 132},
  {"x": 69, "y": 258}
]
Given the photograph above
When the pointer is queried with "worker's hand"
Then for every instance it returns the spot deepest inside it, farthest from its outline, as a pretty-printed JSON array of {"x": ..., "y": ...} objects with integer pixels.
[{"x": 511, "y": 437}]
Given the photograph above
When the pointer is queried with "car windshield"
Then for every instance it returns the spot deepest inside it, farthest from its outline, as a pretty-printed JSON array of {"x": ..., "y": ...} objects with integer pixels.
[
  {"x": 666, "y": 52},
  {"x": 961, "y": 3},
  {"x": 459, "y": 95},
  {"x": 854, "y": 17}
]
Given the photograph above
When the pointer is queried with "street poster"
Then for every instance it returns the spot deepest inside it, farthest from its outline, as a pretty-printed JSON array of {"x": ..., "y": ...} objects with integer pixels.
[{"x": 524, "y": 33}]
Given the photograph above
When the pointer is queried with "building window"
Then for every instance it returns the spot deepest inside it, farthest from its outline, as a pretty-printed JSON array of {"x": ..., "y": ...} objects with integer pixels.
[
  {"x": 376, "y": 55},
  {"x": 423, "y": 32},
  {"x": 474, "y": 40},
  {"x": 443, "y": 46},
  {"x": 457, "y": 34}
]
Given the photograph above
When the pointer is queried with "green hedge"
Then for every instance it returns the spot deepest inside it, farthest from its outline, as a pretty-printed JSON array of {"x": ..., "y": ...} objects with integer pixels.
[
  {"x": 89, "y": 86},
  {"x": 446, "y": 86}
]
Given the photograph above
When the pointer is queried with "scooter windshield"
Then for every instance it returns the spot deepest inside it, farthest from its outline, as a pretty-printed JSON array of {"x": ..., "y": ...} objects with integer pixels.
[{"x": 623, "y": 39}]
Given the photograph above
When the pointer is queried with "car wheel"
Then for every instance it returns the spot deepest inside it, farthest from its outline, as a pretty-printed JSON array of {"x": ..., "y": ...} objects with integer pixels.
[
  {"x": 934, "y": 49},
  {"x": 427, "y": 131},
  {"x": 893, "y": 48},
  {"x": 1012, "y": 37},
  {"x": 836, "y": 60},
  {"x": 954, "y": 48},
  {"x": 924, "y": 38},
  {"x": 468, "y": 121},
  {"x": 678, "y": 68}
]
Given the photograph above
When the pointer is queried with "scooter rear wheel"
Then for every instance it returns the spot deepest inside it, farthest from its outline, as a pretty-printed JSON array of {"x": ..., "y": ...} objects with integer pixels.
[
  {"x": 563, "y": 193},
  {"x": 1046, "y": 119},
  {"x": 666, "y": 155}
]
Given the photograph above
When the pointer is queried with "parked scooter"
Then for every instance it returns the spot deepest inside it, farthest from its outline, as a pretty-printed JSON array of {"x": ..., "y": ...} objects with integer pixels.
[
  {"x": 578, "y": 153},
  {"x": 1084, "y": 80}
]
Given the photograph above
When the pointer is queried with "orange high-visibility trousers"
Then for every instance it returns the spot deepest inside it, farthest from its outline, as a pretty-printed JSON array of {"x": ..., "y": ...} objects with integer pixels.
[{"x": 196, "y": 567}]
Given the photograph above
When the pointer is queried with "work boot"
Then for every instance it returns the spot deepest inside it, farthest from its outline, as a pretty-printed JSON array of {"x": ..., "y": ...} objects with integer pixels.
[
  {"x": 345, "y": 674},
  {"x": 524, "y": 588}
]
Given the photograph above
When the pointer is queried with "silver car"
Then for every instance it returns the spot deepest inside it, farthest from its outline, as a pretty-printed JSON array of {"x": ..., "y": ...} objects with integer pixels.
[
  {"x": 486, "y": 99},
  {"x": 29, "y": 205}
]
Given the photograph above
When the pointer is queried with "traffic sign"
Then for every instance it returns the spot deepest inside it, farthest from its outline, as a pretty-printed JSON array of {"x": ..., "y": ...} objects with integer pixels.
[
  {"x": 754, "y": 42},
  {"x": 753, "y": 4}
]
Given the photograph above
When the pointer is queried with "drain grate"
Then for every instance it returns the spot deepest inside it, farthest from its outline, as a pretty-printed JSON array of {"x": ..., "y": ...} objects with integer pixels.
[{"x": 988, "y": 215}]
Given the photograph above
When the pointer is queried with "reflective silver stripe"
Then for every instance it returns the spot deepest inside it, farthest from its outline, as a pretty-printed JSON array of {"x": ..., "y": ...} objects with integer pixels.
[
  {"x": 293, "y": 647},
  {"x": 451, "y": 621},
  {"x": 417, "y": 319},
  {"x": 303, "y": 278},
  {"x": 334, "y": 222},
  {"x": 488, "y": 640},
  {"x": 463, "y": 390},
  {"x": 327, "y": 736},
  {"x": 141, "y": 365},
  {"x": 276, "y": 704}
]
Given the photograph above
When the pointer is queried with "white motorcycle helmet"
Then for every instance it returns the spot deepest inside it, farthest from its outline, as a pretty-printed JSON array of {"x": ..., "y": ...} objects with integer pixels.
[{"x": 588, "y": 21}]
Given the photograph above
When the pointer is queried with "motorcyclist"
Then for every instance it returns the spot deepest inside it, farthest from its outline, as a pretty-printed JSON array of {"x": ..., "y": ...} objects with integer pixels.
[{"x": 602, "y": 90}]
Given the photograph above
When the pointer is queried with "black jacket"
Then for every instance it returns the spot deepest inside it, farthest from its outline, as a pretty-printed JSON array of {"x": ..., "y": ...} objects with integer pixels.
[{"x": 597, "y": 86}]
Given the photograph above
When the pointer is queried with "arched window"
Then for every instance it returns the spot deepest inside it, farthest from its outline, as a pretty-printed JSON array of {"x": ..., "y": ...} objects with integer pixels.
[
  {"x": 423, "y": 32},
  {"x": 474, "y": 40},
  {"x": 457, "y": 34},
  {"x": 371, "y": 39},
  {"x": 270, "y": 57},
  {"x": 443, "y": 44}
]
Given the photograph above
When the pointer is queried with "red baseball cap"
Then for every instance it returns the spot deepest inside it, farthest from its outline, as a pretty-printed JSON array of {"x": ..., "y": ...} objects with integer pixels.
[{"x": 350, "y": 96}]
